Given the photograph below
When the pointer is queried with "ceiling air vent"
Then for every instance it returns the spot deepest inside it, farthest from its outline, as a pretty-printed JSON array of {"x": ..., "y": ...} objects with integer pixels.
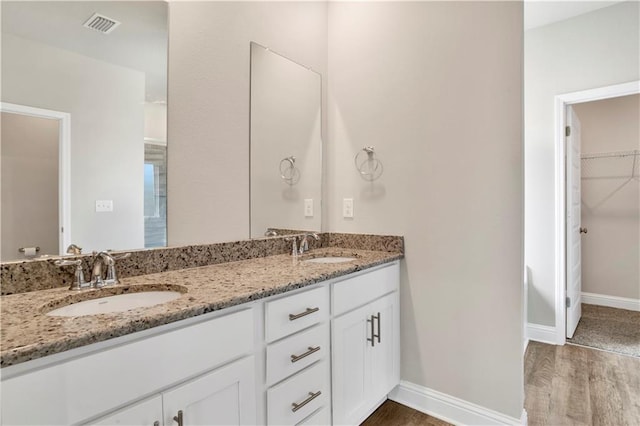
[{"x": 101, "y": 23}]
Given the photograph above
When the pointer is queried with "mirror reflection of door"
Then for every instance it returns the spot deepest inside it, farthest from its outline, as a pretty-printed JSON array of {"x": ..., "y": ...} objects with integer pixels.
[{"x": 29, "y": 147}]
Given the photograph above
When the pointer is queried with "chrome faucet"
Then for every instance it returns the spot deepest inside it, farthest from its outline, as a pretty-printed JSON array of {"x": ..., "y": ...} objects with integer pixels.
[
  {"x": 294, "y": 247},
  {"x": 304, "y": 244},
  {"x": 79, "y": 283},
  {"x": 105, "y": 259},
  {"x": 74, "y": 249},
  {"x": 100, "y": 260}
]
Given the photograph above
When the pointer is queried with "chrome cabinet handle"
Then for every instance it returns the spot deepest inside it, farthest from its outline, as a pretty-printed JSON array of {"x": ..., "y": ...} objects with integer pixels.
[
  {"x": 583, "y": 230},
  {"x": 373, "y": 333},
  {"x": 179, "y": 418},
  {"x": 312, "y": 396},
  {"x": 296, "y": 358},
  {"x": 293, "y": 317}
]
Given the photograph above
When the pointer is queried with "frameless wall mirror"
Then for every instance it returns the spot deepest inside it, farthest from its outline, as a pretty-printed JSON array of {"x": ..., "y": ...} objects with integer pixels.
[
  {"x": 286, "y": 144},
  {"x": 84, "y": 138}
]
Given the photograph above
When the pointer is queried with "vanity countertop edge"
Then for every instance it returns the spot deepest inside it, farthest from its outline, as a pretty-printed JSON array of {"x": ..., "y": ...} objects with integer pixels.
[{"x": 26, "y": 333}]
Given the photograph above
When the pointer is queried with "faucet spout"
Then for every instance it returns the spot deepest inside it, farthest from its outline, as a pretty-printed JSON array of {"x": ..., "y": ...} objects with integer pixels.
[
  {"x": 304, "y": 244},
  {"x": 100, "y": 260}
]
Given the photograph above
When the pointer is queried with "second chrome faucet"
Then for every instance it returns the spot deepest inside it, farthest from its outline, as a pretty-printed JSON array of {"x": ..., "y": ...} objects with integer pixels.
[{"x": 304, "y": 242}]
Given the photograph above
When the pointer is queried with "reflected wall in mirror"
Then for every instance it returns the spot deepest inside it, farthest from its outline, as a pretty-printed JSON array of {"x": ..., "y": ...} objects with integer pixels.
[
  {"x": 111, "y": 84},
  {"x": 286, "y": 144}
]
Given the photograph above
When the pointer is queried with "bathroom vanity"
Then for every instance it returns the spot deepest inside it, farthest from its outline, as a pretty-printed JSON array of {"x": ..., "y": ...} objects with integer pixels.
[{"x": 270, "y": 340}]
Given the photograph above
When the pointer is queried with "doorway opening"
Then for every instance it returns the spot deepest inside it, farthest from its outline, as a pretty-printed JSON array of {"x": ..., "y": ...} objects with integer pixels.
[
  {"x": 63, "y": 231},
  {"x": 567, "y": 220}
]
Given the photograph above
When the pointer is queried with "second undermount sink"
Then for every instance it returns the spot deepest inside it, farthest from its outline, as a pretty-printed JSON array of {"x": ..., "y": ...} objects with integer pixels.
[
  {"x": 117, "y": 303},
  {"x": 330, "y": 259}
]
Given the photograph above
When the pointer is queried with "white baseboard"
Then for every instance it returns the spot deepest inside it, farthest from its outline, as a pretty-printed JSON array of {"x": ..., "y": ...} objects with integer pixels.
[
  {"x": 611, "y": 301},
  {"x": 542, "y": 333},
  {"x": 449, "y": 408}
]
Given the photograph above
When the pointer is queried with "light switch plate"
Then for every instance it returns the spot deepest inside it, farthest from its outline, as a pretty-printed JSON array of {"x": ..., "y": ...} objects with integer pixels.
[
  {"x": 104, "y": 206},
  {"x": 347, "y": 207},
  {"x": 308, "y": 207}
]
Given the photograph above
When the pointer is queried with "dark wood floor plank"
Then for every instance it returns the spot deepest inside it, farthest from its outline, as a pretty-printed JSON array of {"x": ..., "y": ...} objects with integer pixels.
[{"x": 393, "y": 414}]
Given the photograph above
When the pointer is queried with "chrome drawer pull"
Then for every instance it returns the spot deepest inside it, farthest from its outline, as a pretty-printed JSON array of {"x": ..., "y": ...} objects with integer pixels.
[
  {"x": 303, "y": 314},
  {"x": 179, "y": 418},
  {"x": 378, "y": 335},
  {"x": 296, "y": 358},
  {"x": 312, "y": 396}
]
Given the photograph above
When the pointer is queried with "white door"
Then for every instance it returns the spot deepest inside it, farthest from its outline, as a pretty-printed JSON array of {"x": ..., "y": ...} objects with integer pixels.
[
  {"x": 574, "y": 264},
  {"x": 226, "y": 396}
]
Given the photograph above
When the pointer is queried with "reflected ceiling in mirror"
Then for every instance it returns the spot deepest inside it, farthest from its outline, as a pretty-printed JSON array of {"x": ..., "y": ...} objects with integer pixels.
[
  {"x": 286, "y": 144},
  {"x": 112, "y": 86}
]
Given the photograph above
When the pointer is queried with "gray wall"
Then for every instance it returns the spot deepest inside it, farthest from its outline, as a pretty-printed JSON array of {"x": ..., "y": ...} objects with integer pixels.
[
  {"x": 436, "y": 88},
  {"x": 209, "y": 105},
  {"x": 610, "y": 198},
  {"x": 106, "y": 103},
  {"x": 593, "y": 50},
  {"x": 29, "y": 147}
]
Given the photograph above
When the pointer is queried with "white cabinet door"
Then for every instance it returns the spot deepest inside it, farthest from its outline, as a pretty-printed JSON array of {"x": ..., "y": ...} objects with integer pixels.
[
  {"x": 351, "y": 366},
  {"x": 146, "y": 413},
  {"x": 226, "y": 396},
  {"x": 385, "y": 362},
  {"x": 365, "y": 371}
]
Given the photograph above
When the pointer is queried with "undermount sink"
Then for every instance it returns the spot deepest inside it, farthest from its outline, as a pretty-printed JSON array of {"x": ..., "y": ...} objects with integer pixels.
[
  {"x": 117, "y": 303},
  {"x": 330, "y": 259}
]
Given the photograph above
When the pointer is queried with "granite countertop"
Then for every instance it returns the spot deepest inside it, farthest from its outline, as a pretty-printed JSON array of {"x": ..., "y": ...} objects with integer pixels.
[{"x": 26, "y": 333}]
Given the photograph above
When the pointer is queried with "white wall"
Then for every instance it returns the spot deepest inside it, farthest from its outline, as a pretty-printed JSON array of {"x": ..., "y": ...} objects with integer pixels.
[
  {"x": 209, "y": 105},
  {"x": 29, "y": 147},
  {"x": 436, "y": 87},
  {"x": 107, "y": 125},
  {"x": 285, "y": 121},
  {"x": 597, "y": 49},
  {"x": 610, "y": 197}
]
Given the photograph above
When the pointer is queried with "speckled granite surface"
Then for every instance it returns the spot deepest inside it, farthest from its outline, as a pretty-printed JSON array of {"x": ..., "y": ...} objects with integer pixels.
[
  {"x": 26, "y": 333},
  {"x": 40, "y": 274}
]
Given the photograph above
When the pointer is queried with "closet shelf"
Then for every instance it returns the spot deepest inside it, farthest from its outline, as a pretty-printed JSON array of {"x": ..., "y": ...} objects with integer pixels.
[{"x": 611, "y": 165}]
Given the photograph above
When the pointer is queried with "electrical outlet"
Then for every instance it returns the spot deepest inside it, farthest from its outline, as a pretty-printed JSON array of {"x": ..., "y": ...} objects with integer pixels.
[
  {"x": 104, "y": 206},
  {"x": 308, "y": 207},
  {"x": 347, "y": 207}
]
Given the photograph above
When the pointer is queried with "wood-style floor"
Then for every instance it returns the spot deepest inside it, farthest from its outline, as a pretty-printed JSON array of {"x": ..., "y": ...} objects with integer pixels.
[
  {"x": 393, "y": 414},
  {"x": 574, "y": 385},
  {"x": 564, "y": 385}
]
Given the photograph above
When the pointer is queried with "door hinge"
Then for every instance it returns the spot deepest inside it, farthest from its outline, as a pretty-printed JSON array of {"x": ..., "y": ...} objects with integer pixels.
[
  {"x": 568, "y": 300},
  {"x": 567, "y": 131}
]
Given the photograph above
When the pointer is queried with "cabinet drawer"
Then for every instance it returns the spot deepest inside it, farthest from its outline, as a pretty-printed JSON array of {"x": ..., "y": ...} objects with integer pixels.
[
  {"x": 357, "y": 291},
  {"x": 120, "y": 374},
  {"x": 280, "y": 361},
  {"x": 299, "y": 389},
  {"x": 322, "y": 417},
  {"x": 293, "y": 313}
]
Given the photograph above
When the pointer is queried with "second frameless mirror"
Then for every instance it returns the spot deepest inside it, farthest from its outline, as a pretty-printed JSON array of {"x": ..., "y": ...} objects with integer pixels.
[{"x": 286, "y": 144}]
